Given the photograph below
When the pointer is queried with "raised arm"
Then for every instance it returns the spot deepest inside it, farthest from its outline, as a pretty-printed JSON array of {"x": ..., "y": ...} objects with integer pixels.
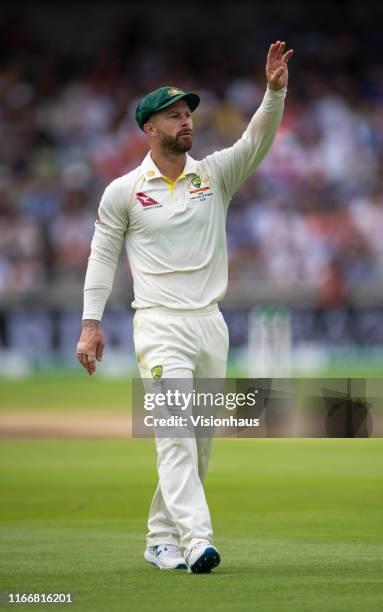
[
  {"x": 234, "y": 164},
  {"x": 110, "y": 227}
]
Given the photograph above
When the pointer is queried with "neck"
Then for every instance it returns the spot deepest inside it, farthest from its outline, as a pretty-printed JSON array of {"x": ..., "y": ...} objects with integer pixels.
[{"x": 169, "y": 164}]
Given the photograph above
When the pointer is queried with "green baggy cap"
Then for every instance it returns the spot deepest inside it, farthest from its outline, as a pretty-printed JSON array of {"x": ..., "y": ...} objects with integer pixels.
[{"x": 161, "y": 98}]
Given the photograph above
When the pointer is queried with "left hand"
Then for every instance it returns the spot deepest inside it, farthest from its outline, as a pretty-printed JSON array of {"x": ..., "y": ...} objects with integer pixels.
[{"x": 277, "y": 73}]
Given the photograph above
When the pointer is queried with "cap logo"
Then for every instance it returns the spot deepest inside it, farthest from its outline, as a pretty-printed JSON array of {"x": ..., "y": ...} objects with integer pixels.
[
  {"x": 150, "y": 173},
  {"x": 173, "y": 91}
]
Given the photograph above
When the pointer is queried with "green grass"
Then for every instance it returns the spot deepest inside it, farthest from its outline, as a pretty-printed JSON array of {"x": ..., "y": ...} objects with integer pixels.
[
  {"x": 81, "y": 392},
  {"x": 299, "y": 524},
  {"x": 58, "y": 393}
]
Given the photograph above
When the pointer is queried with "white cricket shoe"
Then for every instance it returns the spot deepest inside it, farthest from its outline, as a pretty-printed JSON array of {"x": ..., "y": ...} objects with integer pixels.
[
  {"x": 165, "y": 556},
  {"x": 202, "y": 557}
]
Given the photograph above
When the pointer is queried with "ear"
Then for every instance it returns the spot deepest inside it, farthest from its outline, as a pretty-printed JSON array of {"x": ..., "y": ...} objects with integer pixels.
[{"x": 148, "y": 128}]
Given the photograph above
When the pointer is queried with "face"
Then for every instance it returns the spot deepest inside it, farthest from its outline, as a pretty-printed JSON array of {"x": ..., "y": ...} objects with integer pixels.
[{"x": 172, "y": 128}]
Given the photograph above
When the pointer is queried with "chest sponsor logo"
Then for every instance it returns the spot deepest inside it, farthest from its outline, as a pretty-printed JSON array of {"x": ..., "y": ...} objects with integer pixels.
[
  {"x": 146, "y": 201},
  {"x": 200, "y": 189}
]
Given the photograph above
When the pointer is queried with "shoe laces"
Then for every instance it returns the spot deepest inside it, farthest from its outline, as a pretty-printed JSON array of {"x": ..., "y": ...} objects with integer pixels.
[
  {"x": 171, "y": 550},
  {"x": 192, "y": 548},
  {"x": 189, "y": 552}
]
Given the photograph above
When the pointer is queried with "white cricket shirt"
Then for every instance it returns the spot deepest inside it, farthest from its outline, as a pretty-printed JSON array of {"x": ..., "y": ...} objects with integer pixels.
[{"x": 174, "y": 233}]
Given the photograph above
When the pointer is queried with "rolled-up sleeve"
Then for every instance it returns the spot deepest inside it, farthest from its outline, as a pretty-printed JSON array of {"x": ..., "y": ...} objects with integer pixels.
[
  {"x": 233, "y": 165},
  {"x": 110, "y": 228}
]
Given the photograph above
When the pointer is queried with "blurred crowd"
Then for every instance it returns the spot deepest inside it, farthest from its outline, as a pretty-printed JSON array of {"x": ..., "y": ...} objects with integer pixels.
[{"x": 310, "y": 216}]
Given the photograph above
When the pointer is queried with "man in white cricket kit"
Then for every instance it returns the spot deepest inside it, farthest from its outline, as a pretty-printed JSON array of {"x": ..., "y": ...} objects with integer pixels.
[{"x": 171, "y": 213}]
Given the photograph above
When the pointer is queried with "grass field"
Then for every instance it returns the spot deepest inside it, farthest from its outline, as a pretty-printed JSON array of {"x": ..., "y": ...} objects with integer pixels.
[
  {"x": 299, "y": 524},
  {"x": 63, "y": 393}
]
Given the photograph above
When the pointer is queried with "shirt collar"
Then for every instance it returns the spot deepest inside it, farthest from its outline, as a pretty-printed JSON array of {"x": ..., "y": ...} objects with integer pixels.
[{"x": 150, "y": 170}]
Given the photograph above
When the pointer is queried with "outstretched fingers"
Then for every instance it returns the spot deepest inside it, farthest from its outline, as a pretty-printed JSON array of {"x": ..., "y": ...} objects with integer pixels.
[
  {"x": 286, "y": 56},
  {"x": 281, "y": 48},
  {"x": 276, "y": 52},
  {"x": 273, "y": 50}
]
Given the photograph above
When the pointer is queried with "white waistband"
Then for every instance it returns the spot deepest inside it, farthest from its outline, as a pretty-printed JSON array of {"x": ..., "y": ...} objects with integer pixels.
[{"x": 178, "y": 312}]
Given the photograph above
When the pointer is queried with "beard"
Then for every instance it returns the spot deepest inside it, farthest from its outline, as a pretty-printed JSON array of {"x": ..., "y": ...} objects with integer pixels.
[{"x": 175, "y": 144}]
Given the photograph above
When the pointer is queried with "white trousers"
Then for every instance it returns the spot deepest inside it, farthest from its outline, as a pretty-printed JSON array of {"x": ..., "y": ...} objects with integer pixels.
[{"x": 187, "y": 344}]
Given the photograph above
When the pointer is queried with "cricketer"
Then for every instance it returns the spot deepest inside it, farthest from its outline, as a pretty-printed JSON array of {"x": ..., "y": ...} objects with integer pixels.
[{"x": 171, "y": 213}]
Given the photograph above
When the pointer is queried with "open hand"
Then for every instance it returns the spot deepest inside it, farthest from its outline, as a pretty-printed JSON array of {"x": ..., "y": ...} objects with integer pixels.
[{"x": 277, "y": 73}]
